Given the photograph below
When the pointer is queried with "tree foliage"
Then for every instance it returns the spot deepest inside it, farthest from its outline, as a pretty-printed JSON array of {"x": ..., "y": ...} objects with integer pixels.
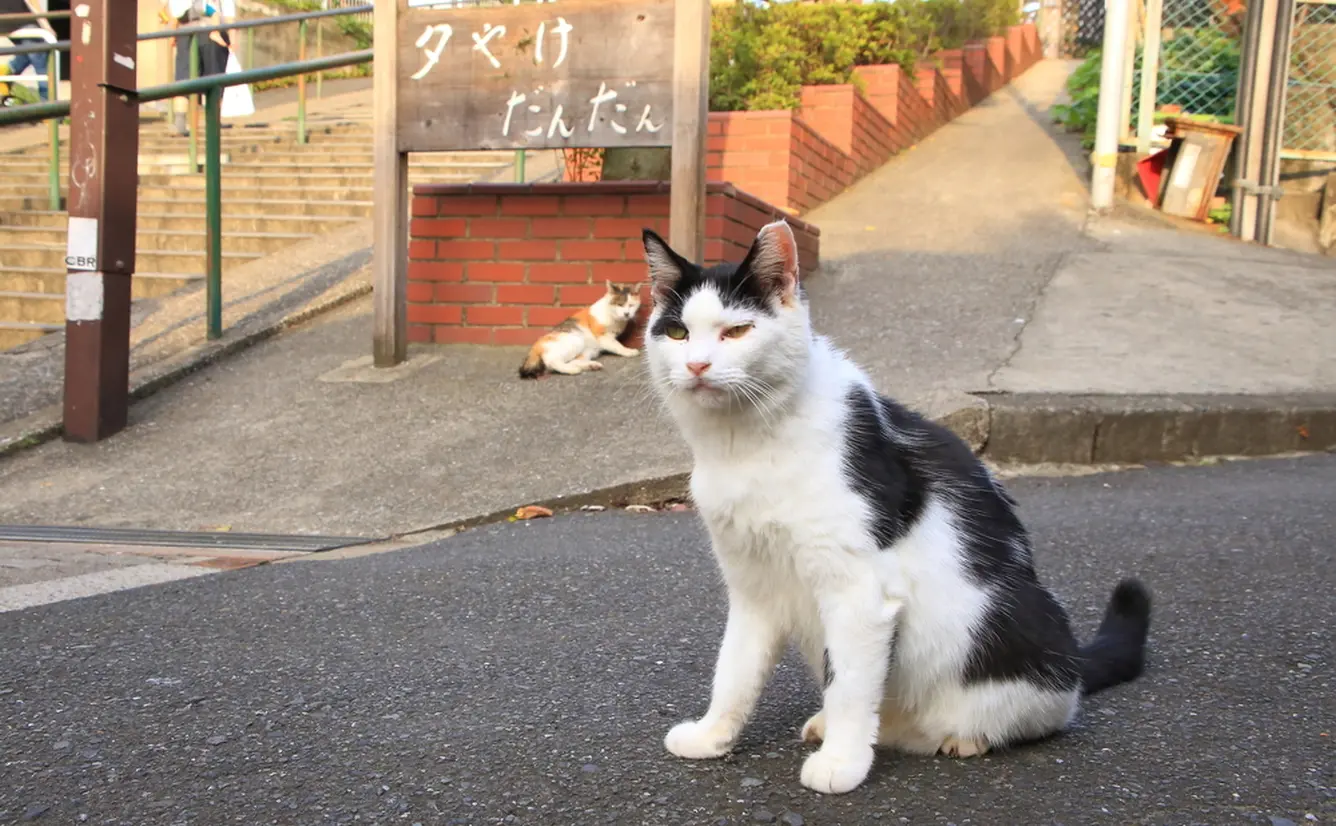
[{"x": 762, "y": 56}]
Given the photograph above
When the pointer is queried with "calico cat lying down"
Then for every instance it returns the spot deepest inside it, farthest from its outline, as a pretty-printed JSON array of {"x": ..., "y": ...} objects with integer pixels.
[
  {"x": 869, "y": 537},
  {"x": 573, "y": 344}
]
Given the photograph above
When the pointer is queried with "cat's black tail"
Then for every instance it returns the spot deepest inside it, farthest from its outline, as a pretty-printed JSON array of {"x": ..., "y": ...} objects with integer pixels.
[
  {"x": 1117, "y": 653},
  {"x": 533, "y": 365}
]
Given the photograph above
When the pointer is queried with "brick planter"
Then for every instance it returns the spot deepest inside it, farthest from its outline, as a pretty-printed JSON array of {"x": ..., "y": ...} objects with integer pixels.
[
  {"x": 800, "y": 159},
  {"x": 503, "y": 263}
]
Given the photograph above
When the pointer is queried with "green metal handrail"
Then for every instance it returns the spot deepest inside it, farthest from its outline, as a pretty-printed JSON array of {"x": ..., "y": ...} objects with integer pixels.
[
  {"x": 298, "y": 17},
  {"x": 23, "y": 16},
  {"x": 56, "y": 46},
  {"x": 212, "y": 88}
]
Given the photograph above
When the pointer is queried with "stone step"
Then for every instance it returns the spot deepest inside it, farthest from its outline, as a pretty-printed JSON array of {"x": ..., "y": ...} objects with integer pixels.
[
  {"x": 148, "y": 221},
  {"x": 52, "y": 281},
  {"x": 235, "y": 177},
  {"x": 52, "y": 257},
  {"x": 14, "y": 333},
  {"x": 32, "y": 308},
  {"x": 296, "y": 191},
  {"x": 12, "y": 208},
  {"x": 159, "y": 240}
]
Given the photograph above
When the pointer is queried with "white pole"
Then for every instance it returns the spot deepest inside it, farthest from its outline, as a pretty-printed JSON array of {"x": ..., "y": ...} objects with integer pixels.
[
  {"x": 1150, "y": 70},
  {"x": 1110, "y": 102}
]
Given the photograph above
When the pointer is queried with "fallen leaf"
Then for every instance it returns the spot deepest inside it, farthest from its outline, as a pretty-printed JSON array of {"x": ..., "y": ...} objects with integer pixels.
[
  {"x": 532, "y": 512},
  {"x": 593, "y": 508},
  {"x": 1303, "y": 431},
  {"x": 640, "y": 509}
]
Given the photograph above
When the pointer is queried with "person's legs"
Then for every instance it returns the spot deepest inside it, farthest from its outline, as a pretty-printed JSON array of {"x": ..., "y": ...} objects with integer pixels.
[{"x": 39, "y": 61}]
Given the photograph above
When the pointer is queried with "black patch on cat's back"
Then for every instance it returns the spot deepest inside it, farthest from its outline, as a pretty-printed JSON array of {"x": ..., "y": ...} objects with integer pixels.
[
  {"x": 736, "y": 286},
  {"x": 1025, "y": 635},
  {"x": 878, "y": 470},
  {"x": 897, "y": 459}
]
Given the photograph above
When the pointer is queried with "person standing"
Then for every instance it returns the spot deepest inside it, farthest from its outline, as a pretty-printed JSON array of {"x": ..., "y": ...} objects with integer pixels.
[
  {"x": 213, "y": 47},
  {"x": 28, "y": 34}
]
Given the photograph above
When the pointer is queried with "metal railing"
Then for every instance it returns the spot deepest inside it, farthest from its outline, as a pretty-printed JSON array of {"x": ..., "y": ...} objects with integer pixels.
[
  {"x": 211, "y": 87},
  {"x": 52, "y": 78},
  {"x": 1310, "y": 98}
]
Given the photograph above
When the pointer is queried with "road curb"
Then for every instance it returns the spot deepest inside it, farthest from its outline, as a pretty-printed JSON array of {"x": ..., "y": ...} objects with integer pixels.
[
  {"x": 1034, "y": 428},
  {"x": 1051, "y": 429}
]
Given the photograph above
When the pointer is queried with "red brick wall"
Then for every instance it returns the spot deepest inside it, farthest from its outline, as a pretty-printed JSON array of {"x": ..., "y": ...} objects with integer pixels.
[
  {"x": 503, "y": 263},
  {"x": 818, "y": 170},
  {"x": 798, "y": 160},
  {"x": 751, "y": 150},
  {"x": 952, "y": 62},
  {"x": 946, "y": 102}
]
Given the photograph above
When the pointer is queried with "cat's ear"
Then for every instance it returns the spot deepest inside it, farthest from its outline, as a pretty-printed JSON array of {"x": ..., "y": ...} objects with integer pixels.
[
  {"x": 773, "y": 259},
  {"x": 665, "y": 266}
]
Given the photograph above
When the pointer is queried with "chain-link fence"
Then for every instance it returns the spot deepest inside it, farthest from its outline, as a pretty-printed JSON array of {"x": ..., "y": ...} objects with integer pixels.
[
  {"x": 1310, "y": 105},
  {"x": 1082, "y": 27},
  {"x": 1200, "y": 45}
]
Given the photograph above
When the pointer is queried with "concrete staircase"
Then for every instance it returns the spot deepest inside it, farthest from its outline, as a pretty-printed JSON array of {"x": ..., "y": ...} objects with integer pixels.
[{"x": 276, "y": 193}]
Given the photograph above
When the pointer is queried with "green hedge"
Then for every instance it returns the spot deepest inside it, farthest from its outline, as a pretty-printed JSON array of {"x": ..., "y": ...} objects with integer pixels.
[{"x": 762, "y": 56}]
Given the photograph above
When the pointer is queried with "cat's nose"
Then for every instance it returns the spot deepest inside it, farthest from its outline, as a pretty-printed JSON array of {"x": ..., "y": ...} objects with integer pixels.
[{"x": 698, "y": 367}]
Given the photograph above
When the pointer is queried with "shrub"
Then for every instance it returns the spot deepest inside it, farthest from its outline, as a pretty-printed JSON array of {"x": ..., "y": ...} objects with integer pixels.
[
  {"x": 1083, "y": 89},
  {"x": 762, "y": 56}
]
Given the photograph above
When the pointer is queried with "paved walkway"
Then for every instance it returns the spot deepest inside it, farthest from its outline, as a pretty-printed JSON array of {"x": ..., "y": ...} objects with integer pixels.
[
  {"x": 964, "y": 265},
  {"x": 526, "y": 674}
]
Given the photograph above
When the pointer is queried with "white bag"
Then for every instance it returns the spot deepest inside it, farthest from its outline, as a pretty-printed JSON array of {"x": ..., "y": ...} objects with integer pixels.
[{"x": 237, "y": 100}]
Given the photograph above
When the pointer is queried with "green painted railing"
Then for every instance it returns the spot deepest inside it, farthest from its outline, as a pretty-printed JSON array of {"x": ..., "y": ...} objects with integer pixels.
[
  {"x": 212, "y": 88},
  {"x": 52, "y": 79}
]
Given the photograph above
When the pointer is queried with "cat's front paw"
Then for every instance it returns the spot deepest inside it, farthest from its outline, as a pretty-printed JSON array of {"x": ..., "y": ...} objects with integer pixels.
[
  {"x": 831, "y": 772},
  {"x": 630, "y": 352},
  {"x": 594, "y": 365},
  {"x": 694, "y": 740}
]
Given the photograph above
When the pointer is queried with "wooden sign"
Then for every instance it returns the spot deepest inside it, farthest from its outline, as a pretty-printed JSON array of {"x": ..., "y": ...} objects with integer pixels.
[
  {"x": 573, "y": 73},
  {"x": 542, "y": 75}
]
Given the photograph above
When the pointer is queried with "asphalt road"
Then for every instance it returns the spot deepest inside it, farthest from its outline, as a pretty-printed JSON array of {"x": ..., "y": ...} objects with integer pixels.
[{"x": 526, "y": 673}]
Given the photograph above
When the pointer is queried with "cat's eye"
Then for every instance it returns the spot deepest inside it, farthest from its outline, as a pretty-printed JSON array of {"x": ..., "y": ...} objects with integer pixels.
[
  {"x": 675, "y": 331},
  {"x": 736, "y": 331}
]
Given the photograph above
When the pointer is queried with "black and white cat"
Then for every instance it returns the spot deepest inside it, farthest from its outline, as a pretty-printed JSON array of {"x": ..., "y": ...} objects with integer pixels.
[{"x": 869, "y": 537}]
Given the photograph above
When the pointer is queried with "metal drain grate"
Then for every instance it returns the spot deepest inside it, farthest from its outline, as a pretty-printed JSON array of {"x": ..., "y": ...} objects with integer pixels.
[{"x": 181, "y": 539}]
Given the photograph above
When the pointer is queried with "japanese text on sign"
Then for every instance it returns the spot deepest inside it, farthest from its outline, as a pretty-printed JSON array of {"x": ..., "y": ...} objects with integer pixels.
[{"x": 577, "y": 73}]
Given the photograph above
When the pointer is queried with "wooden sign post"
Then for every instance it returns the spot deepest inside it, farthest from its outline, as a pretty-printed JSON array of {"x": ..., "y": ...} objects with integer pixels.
[{"x": 574, "y": 73}]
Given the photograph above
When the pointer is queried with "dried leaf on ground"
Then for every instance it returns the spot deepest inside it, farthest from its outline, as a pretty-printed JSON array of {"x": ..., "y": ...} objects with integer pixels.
[{"x": 532, "y": 512}]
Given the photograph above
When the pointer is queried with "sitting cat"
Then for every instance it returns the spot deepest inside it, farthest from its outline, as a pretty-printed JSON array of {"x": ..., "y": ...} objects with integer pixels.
[
  {"x": 868, "y": 536},
  {"x": 574, "y": 343}
]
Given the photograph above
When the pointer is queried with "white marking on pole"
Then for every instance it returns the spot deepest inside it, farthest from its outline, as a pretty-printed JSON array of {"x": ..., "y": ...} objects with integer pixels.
[
  {"x": 81, "y": 244},
  {"x": 83, "y": 296}
]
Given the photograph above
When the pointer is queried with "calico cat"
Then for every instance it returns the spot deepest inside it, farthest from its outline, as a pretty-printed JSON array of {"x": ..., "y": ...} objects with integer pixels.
[
  {"x": 574, "y": 343},
  {"x": 866, "y": 535}
]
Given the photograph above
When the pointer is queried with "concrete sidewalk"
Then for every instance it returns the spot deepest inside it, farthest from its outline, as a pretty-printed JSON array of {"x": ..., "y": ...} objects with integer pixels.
[{"x": 963, "y": 274}]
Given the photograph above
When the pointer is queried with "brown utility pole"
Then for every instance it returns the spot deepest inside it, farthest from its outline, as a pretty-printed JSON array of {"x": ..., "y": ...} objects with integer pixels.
[{"x": 100, "y": 252}]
